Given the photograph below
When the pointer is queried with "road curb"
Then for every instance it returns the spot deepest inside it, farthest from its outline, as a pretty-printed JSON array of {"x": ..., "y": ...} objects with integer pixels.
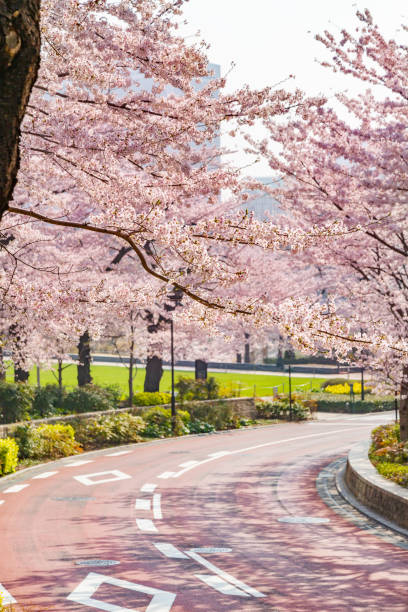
[{"x": 361, "y": 485}]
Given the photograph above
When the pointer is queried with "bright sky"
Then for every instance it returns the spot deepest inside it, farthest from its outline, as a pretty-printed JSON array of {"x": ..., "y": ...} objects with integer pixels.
[{"x": 271, "y": 39}]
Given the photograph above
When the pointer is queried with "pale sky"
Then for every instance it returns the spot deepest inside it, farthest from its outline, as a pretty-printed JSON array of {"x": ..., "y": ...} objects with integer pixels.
[{"x": 270, "y": 39}]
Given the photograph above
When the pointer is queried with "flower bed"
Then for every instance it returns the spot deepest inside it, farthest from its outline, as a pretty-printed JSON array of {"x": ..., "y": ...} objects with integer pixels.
[{"x": 388, "y": 454}]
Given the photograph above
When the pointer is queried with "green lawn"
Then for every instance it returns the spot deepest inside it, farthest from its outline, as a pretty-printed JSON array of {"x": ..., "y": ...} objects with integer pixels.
[{"x": 244, "y": 383}]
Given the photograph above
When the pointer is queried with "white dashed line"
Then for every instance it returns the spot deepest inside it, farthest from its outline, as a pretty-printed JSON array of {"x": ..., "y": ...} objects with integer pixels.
[
  {"x": 148, "y": 487},
  {"x": 87, "y": 479},
  {"x": 146, "y": 525},
  {"x": 5, "y": 596},
  {"x": 219, "y": 454},
  {"x": 78, "y": 463},
  {"x": 16, "y": 488},
  {"x": 143, "y": 504},
  {"x": 167, "y": 475},
  {"x": 220, "y": 585},
  {"x": 44, "y": 475},
  {"x": 170, "y": 551},
  {"x": 157, "y": 513},
  {"x": 124, "y": 452}
]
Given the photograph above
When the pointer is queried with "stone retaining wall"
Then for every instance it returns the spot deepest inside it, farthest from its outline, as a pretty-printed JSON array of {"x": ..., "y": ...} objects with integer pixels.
[
  {"x": 243, "y": 406},
  {"x": 372, "y": 490}
]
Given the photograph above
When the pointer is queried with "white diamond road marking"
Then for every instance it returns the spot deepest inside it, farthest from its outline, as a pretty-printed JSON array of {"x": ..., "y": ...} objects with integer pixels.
[
  {"x": 114, "y": 475},
  {"x": 78, "y": 463},
  {"x": 146, "y": 525},
  {"x": 157, "y": 512},
  {"x": 5, "y": 596},
  {"x": 124, "y": 452},
  {"x": 44, "y": 475},
  {"x": 16, "y": 488},
  {"x": 162, "y": 601},
  {"x": 148, "y": 487},
  {"x": 167, "y": 475},
  {"x": 220, "y": 585},
  {"x": 143, "y": 504},
  {"x": 170, "y": 551}
]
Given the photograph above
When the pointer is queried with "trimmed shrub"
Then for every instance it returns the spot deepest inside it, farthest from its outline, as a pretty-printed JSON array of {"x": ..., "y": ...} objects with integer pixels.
[
  {"x": 15, "y": 401},
  {"x": 91, "y": 398},
  {"x": 219, "y": 414},
  {"x": 191, "y": 389},
  {"x": 47, "y": 401},
  {"x": 158, "y": 422},
  {"x": 333, "y": 403},
  {"x": 8, "y": 456},
  {"x": 281, "y": 410},
  {"x": 46, "y": 441},
  {"x": 151, "y": 399},
  {"x": 331, "y": 382},
  {"x": 345, "y": 388},
  {"x": 109, "y": 430}
]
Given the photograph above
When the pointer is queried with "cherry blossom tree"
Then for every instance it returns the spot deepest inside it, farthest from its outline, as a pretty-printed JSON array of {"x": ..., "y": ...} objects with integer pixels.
[{"x": 353, "y": 168}]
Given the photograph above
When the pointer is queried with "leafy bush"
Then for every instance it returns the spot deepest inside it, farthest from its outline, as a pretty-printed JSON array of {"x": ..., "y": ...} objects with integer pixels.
[
  {"x": 15, "y": 401},
  {"x": 281, "y": 410},
  {"x": 120, "y": 428},
  {"x": 337, "y": 403},
  {"x": 151, "y": 399},
  {"x": 331, "y": 382},
  {"x": 218, "y": 414},
  {"x": 345, "y": 388},
  {"x": 158, "y": 422},
  {"x": 8, "y": 456},
  {"x": 197, "y": 427},
  {"x": 191, "y": 389},
  {"x": 388, "y": 454},
  {"x": 47, "y": 401},
  {"x": 46, "y": 441},
  {"x": 395, "y": 472},
  {"x": 91, "y": 398}
]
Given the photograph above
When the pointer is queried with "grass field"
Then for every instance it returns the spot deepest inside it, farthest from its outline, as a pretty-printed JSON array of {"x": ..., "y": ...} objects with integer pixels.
[{"x": 243, "y": 383}]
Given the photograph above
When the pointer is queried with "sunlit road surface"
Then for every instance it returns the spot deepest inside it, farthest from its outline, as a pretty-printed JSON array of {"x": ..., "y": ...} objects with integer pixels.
[{"x": 228, "y": 521}]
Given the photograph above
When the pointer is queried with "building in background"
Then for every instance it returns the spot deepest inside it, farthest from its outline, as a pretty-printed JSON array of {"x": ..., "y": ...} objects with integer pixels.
[{"x": 262, "y": 203}]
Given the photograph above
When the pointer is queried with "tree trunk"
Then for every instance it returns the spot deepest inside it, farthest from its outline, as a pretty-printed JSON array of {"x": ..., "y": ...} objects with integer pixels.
[
  {"x": 403, "y": 408},
  {"x": 20, "y": 375},
  {"x": 60, "y": 375},
  {"x": 84, "y": 365},
  {"x": 247, "y": 357},
  {"x": 19, "y": 61},
  {"x": 154, "y": 372}
]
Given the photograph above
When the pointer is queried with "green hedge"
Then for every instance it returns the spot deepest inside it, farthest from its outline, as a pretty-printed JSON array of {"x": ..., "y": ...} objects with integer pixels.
[
  {"x": 8, "y": 456},
  {"x": 158, "y": 422},
  {"x": 341, "y": 403},
  {"x": 15, "y": 401},
  {"x": 190, "y": 389},
  {"x": 281, "y": 410},
  {"x": 218, "y": 414},
  {"x": 151, "y": 399}
]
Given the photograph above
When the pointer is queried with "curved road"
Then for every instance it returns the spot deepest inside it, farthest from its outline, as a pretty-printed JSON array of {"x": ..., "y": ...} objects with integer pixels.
[{"x": 228, "y": 521}]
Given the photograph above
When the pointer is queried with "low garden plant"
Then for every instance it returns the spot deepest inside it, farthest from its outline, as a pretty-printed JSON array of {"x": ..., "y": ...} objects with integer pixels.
[
  {"x": 151, "y": 399},
  {"x": 8, "y": 456},
  {"x": 388, "y": 454},
  {"x": 109, "y": 430},
  {"x": 280, "y": 409},
  {"x": 46, "y": 441}
]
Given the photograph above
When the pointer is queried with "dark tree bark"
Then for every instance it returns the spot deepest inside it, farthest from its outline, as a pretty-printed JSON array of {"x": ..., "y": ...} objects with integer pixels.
[
  {"x": 154, "y": 372},
  {"x": 403, "y": 408},
  {"x": 84, "y": 365},
  {"x": 2, "y": 368},
  {"x": 247, "y": 356},
  {"x": 20, "y": 374},
  {"x": 19, "y": 61}
]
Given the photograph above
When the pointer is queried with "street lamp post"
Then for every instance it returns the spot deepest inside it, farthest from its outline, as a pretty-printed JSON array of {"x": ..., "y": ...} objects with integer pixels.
[
  {"x": 362, "y": 384},
  {"x": 173, "y": 399},
  {"x": 290, "y": 393}
]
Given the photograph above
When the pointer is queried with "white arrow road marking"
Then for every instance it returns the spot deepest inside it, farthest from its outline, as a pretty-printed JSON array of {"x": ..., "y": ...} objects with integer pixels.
[
  {"x": 162, "y": 601},
  {"x": 167, "y": 475},
  {"x": 123, "y": 452},
  {"x": 143, "y": 504},
  {"x": 220, "y": 585},
  {"x": 157, "y": 512},
  {"x": 44, "y": 475},
  {"x": 240, "y": 585},
  {"x": 149, "y": 487},
  {"x": 170, "y": 551},
  {"x": 5, "y": 596},
  {"x": 16, "y": 488},
  {"x": 146, "y": 525},
  {"x": 87, "y": 479}
]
